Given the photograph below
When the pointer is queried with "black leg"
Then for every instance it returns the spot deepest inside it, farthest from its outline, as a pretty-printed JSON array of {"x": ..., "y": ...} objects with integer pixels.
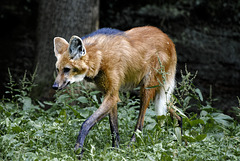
[
  {"x": 113, "y": 120},
  {"x": 101, "y": 112}
]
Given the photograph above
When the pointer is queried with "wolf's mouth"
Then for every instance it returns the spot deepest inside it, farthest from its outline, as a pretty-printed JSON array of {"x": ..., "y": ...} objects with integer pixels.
[{"x": 65, "y": 84}]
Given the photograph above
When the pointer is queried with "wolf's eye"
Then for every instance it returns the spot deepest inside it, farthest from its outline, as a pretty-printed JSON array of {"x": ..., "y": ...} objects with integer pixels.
[{"x": 66, "y": 70}]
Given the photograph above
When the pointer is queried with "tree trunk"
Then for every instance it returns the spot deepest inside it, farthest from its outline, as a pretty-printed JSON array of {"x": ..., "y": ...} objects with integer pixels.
[{"x": 64, "y": 19}]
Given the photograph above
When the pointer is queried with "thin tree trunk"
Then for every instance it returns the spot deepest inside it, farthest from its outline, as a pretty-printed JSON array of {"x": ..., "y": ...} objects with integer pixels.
[{"x": 60, "y": 18}]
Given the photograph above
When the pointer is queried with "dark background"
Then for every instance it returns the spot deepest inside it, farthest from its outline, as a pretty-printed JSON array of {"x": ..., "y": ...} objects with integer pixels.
[{"x": 206, "y": 34}]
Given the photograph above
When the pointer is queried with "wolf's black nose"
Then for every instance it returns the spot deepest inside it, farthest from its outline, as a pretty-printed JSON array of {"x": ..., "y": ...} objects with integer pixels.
[{"x": 55, "y": 86}]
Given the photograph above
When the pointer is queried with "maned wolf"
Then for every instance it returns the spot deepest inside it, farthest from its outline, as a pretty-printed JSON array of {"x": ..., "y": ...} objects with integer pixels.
[{"x": 115, "y": 60}]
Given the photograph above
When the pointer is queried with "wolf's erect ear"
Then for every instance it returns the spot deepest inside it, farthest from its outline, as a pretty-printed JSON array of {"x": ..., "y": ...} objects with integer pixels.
[
  {"x": 76, "y": 48},
  {"x": 60, "y": 45}
]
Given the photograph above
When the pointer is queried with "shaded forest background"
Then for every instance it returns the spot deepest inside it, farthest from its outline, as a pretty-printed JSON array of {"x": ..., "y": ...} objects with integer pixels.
[{"x": 206, "y": 34}]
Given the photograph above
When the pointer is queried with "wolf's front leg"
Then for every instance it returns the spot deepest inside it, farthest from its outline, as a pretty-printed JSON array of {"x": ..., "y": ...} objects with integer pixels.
[{"x": 109, "y": 102}]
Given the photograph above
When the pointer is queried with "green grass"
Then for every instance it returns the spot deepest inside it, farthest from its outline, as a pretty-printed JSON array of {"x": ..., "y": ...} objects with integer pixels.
[{"x": 27, "y": 132}]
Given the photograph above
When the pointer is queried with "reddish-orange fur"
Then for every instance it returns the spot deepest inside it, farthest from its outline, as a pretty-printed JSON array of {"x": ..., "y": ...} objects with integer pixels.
[{"x": 120, "y": 62}]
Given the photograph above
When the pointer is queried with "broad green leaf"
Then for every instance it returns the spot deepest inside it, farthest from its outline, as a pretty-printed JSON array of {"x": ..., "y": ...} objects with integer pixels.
[
  {"x": 186, "y": 101},
  {"x": 39, "y": 133},
  {"x": 94, "y": 92},
  {"x": 95, "y": 98},
  {"x": 31, "y": 155},
  {"x": 48, "y": 103},
  {"x": 9, "y": 106},
  {"x": 84, "y": 113},
  {"x": 200, "y": 137},
  {"x": 197, "y": 90},
  {"x": 75, "y": 112},
  {"x": 189, "y": 138},
  {"x": 41, "y": 104},
  {"x": 27, "y": 103},
  {"x": 196, "y": 122},
  {"x": 203, "y": 114},
  {"x": 10, "y": 138},
  {"x": 151, "y": 126},
  {"x": 7, "y": 122},
  {"x": 18, "y": 120},
  {"x": 82, "y": 99},
  {"x": 207, "y": 107},
  {"x": 178, "y": 134},
  {"x": 150, "y": 120},
  {"x": 62, "y": 98},
  {"x": 222, "y": 118}
]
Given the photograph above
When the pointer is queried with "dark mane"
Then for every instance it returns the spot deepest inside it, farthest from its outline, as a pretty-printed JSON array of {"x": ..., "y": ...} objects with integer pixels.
[{"x": 104, "y": 31}]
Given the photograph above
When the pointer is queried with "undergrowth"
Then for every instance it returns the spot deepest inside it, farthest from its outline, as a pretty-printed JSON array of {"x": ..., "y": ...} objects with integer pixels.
[{"x": 27, "y": 132}]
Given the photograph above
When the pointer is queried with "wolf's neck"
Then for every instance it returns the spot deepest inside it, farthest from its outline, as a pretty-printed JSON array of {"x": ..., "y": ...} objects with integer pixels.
[{"x": 94, "y": 58}]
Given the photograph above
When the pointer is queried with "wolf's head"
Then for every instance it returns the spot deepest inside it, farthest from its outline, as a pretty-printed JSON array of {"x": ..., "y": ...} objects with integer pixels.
[{"x": 70, "y": 64}]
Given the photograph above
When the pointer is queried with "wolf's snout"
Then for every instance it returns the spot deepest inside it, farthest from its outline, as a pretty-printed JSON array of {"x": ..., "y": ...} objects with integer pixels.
[{"x": 55, "y": 86}]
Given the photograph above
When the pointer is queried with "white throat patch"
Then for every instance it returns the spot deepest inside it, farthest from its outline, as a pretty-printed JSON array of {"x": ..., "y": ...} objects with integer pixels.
[{"x": 77, "y": 78}]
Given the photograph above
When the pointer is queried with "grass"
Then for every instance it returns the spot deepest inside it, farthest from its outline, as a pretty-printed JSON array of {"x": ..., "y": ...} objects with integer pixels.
[{"x": 27, "y": 132}]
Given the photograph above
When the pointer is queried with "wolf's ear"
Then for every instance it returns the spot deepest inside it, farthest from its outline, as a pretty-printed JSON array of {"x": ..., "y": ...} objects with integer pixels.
[
  {"x": 76, "y": 48},
  {"x": 60, "y": 45}
]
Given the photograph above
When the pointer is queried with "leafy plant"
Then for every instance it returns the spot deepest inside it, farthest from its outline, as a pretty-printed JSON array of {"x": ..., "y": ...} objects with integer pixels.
[{"x": 29, "y": 133}]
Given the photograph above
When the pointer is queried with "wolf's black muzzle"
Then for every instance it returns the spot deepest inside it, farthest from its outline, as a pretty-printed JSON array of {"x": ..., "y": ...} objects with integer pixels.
[{"x": 55, "y": 86}]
